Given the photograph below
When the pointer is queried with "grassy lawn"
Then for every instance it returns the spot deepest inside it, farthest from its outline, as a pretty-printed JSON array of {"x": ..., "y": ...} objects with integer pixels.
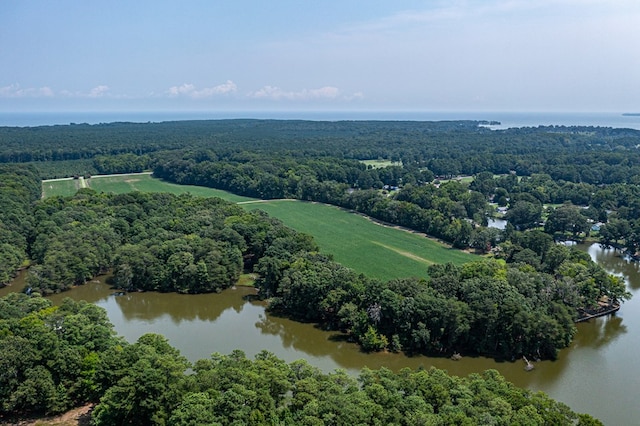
[{"x": 361, "y": 244}]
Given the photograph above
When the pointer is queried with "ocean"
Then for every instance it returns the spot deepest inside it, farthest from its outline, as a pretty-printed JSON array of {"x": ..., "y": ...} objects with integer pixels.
[{"x": 507, "y": 119}]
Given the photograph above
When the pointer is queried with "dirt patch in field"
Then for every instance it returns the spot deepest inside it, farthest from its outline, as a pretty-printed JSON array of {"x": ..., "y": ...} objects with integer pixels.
[
  {"x": 405, "y": 253},
  {"x": 131, "y": 180},
  {"x": 266, "y": 201},
  {"x": 80, "y": 416}
]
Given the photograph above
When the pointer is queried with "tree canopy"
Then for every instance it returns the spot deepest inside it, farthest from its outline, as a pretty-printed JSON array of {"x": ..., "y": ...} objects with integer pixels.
[{"x": 54, "y": 358}]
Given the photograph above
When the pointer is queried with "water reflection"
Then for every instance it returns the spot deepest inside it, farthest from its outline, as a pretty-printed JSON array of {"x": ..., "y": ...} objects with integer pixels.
[
  {"x": 592, "y": 375},
  {"x": 496, "y": 223},
  {"x": 149, "y": 306},
  {"x": 16, "y": 285},
  {"x": 599, "y": 333},
  {"x": 616, "y": 262}
]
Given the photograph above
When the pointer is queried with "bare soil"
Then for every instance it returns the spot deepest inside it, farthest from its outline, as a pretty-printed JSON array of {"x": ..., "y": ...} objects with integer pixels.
[{"x": 80, "y": 416}]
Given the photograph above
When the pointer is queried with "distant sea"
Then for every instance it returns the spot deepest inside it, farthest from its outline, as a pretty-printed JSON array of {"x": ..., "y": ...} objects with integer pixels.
[{"x": 507, "y": 119}]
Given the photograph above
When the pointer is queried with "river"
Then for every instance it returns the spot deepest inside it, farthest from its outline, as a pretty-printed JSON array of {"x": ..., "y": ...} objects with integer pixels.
[{"x": 595, "y": 375}]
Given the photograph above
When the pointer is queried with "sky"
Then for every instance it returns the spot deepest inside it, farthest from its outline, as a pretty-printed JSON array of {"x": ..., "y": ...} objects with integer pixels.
[{"x": 322, "y": 55}]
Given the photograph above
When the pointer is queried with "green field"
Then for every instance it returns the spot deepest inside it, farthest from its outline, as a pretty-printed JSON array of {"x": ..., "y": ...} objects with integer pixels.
[
  {"x": 361, "y": 244},
  {"x": 142, "y": 182},
  {"x": 51, "y": 188},
  {"x": 379, "y": 164},
  {"x": 461, "y": 179},
  {"x": 354, "y": 240}
]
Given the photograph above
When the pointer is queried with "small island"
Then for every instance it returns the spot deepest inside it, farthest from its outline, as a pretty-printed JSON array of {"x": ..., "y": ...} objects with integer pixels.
[{"x": 631, "y": 114}]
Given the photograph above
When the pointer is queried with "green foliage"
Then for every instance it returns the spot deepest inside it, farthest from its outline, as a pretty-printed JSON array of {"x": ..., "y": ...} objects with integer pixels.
[
  {"x": 593, "y": 155},
  {"x": 523, "y": 306},
  {"x": 488, "y": 307},
  {"x": 153, "y": 242},
  {"x": 48, "y": 355},
  {"x": 19, "y": 189},
  {"x": 372, "y": 341},
  {"x": 123, "y": 163},
  {"x": 53, "y": 358},
  {"x": 443, "y": 215},
  {"x": 524, "y": 168},
  {"x": 147, "y": 389}
]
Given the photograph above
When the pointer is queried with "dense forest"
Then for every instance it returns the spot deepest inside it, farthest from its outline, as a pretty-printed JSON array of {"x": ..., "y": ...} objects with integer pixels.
[
  {"x": 555, "y": 183},
  {"x": 56, "y": 357},
  {"x": 593, "y": 155},
  {"x": 19, "y": 188}
]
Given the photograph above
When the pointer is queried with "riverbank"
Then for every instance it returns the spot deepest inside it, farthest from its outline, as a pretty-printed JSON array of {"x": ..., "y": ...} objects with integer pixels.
[{"x": 603, "y": 310}]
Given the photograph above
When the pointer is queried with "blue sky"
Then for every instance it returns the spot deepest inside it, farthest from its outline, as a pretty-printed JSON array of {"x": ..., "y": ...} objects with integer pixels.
[{"x": 324, "y": 55}]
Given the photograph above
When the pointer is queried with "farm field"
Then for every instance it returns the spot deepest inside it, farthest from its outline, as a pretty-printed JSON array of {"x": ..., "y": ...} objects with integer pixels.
[
  {"x": 354, "y": 240},
  {"x": 142, "y": 182},
  {"x": 361, "y": 244},
  {"x": 61, "y": 187}
]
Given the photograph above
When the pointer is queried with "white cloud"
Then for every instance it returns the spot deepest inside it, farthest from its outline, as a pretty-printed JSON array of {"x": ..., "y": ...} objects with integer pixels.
[
  {"x": 276, "y": 93},
  {"x": 15, "y": 91},
  {"x": 191, "y": 91},
  {"x": 98, "y": 91},
  {"x": 185, "y": 89}
]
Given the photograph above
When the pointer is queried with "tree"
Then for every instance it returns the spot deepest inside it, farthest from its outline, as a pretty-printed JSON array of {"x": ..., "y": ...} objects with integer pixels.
[
  {"x": 485, "y": 239},
  {"x": 566, "y": 218},
  {"x": 524, "y": 214},
  {"x": 149, "y": 390},
  {"x": 484, "y": 183},
  {"x": 371, "y": 341}
]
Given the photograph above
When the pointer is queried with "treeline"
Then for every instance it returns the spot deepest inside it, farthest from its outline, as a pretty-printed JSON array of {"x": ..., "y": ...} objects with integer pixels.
[
  {"x": 20, "y": 187},
  {"x": 592, "y": 155},
  {"x": 278, "y": 176},
  {"x": 56, "y": 358}
]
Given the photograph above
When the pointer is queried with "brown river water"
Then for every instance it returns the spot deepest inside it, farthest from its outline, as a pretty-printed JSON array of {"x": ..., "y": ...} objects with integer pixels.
[{"x": 596, "y": 375}]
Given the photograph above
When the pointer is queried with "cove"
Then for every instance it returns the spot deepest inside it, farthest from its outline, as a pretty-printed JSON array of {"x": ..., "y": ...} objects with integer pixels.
[{"x": 595, "y": 375}]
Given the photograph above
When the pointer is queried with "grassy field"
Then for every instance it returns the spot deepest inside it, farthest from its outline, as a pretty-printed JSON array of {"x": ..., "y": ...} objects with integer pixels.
[
  {"x": 354, "y": 240},
  {"x": 66, "y": 187},
  {"x": 379, "y": 164},
  {"x": 142, "y": 182},
  {"x": 361, "y": 244},
  {"x": 461, "y": 179}
]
